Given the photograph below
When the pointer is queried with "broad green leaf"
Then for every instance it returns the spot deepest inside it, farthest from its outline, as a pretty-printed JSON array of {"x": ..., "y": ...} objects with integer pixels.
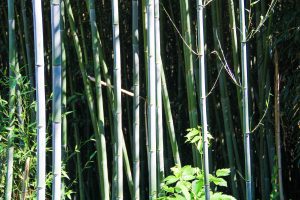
[
  {"x": 184, "y": 190},
  {"x": 170, "y": 179},
  {"x": 218, "y": 181},
  {"x": 197, "y": 185},
  {"x": 223, "y": 172}
]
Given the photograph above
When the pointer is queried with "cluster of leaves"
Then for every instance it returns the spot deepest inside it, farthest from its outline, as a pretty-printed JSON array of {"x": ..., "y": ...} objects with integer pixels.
[{"x": 187, "y": 183}]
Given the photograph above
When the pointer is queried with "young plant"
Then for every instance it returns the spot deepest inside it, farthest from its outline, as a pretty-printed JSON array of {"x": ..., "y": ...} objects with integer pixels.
[{"x": 187, "y": 183}]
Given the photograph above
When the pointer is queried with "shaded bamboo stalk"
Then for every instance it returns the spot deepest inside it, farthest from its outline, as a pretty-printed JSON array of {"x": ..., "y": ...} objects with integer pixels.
[
  {"x": 136, "y": 99},
  {"x": 246, "y": 127},
  {"x": 25, "y": 179},
  {"x": 63, "y": 96},
  {"x": 159, "y": 120},
  {"x": 12, "y": 99},
  {"x": 277, "y": 123},
  {"x": 99, "y": 102},
  {"x": 169, "y": 119},
  {"x": 226, "y": 109},
  {"x": 40, "y": 98},
  {"x": 27, "y": 43},
  {"x": 56, "y": 101},
  {"x": 202, "y": 92},
  {"x": 189, "y": 70},
  {"x": 77, "y": 142},
  {"x": 87, "y": 86}
]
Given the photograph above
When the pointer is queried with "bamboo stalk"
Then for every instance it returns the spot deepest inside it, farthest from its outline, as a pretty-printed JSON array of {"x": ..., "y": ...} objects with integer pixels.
[
  {"x": 99, "y": 102},
  {"x": 169, "y": 120},
  {"x": 77, "y": 142},
  {"x": 202, "y": 92},
  {"x": 27, "y": 43},
  {"x": 40, "y": 97},
  {"x": 12, "y": 99},
  {"x": 136, "y": 99},
  {"x": 151, "y": 98},
  {"x": 277, "y": 123},
  {"x": 64, "y": 96},
  {"x": 159, "y": 120},
  {"x": 189, "y": 70},
  {"x": 246, "y": 127},
  {"x": 226, "y": 109},
  {"x": 117, "y": 102},
  {"x": 56, "y": 102},
  {"x": 25, "y": 179},
  {"x": 87, "y": 86}
]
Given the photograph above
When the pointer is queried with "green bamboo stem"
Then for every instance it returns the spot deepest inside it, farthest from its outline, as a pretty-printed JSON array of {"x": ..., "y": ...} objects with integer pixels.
[
  {"x": 202, "y": 92},
  {"x": 87, "y": 89},
  {"x": 77, "y": 142},
  {"x": 40, "y": 97},
  {"x": 99, "y": 102},
  {"x": 189, "y": 69},
  {"x": 277, "y": 124},
  {"x": 12, "y": 99},
  {"x": 169, "y": 119},
  {"x": 136, "y": 100},
  {"x": 159, "y": 120},
  {"x": 234, "y": 48},
  {"x": 226, "y": 110},
  {"x": 56, "y": 102},
  {"x": 27, "y": 43},
  {"x": 64, "y": 96},
  {"x": 246, "y": 127}
]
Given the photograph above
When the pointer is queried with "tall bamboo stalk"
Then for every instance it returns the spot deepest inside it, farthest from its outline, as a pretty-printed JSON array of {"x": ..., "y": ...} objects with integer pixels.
[
  {"x": 12, "y": 98},
  {"x": 25, "y": 179},
  {"x": 136, "y": 99},
  {"x": 56, "y": 102},
  {"x": 27, "y": 42},
  {"x": 169, "y": 119},
  {"x": 277, "y": 123},
  {"x": 189, "y": 69},
  {"x": 226, "y": 109},
  {"x": 202, "y": 92},
  {"x": 159, "y": 120},
  {"x": 40, "y": 97},
  {"x": 117, "y": 102},
  {"x": 246, "y": 127},
  {"x": 87, "y": 88},
  {"x": 63, "y": 95},
  {"x": 77, "y": 142},
  {"x": 99, "y": 102},
  {"x": 151, "y": 98}
]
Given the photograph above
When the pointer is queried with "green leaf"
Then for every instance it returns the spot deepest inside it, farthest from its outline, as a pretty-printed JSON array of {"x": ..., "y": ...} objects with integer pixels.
[
  {"x": 168, "y": 189},
  {"x": 223, "y": 172},
  {"x": 220, "y": 196},
  {"x": 184, "y": 190},
  {"x": 179, "y": 197},
  {"x": 218, "y": 181},
  {"x": 170, "y": 179},
  {"x": 197, "y": 185}
]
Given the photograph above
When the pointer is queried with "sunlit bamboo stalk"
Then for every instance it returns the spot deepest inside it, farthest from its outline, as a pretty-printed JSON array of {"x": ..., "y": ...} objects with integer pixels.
[
  {"x": 117, "y": 102},
  {"x": 56, "y": 101},
  {"x": 136, "y": 99},
  {"x": 159, "y": 120},
  {"x": 40, "y": 98}
]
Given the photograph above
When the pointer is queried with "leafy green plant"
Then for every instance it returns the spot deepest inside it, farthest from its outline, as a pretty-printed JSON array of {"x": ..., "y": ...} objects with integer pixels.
[{"x": 187, "y": 183}]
